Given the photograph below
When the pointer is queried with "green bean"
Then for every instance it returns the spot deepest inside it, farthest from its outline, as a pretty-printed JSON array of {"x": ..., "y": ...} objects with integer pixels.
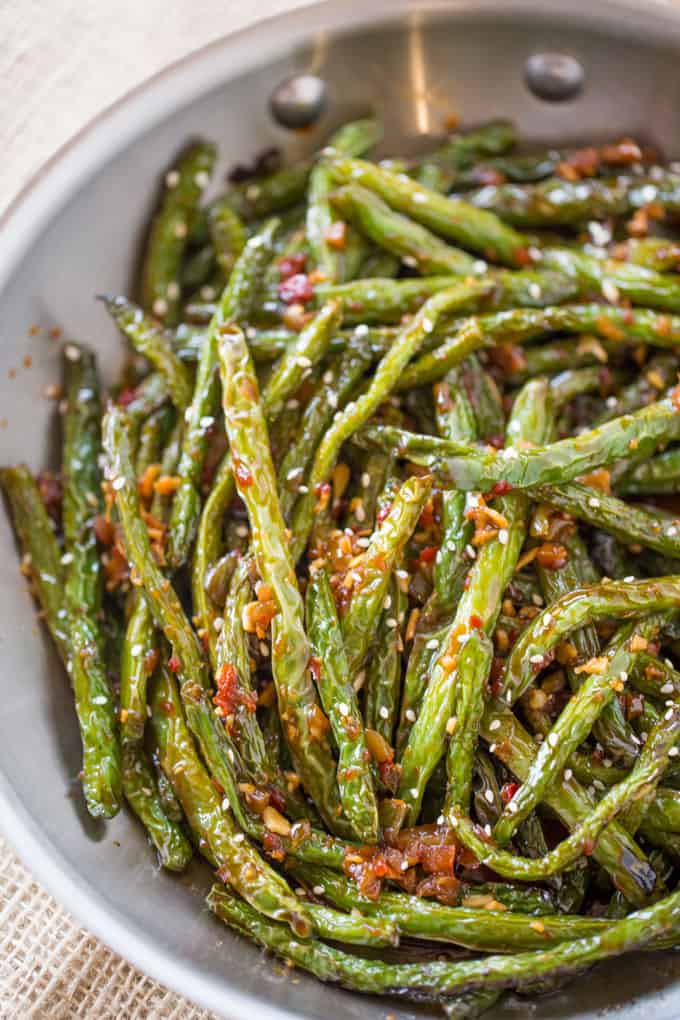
[
  {"x": 658, "y": 253},
  {"x": 626, "y": 521},
  {"x": 256, "y": 483},
  {"x": 227, "y": 236},
  {"x": 442, "y": 167},
  {"x": 379, "y": 561},
  {"x": 660, "y": 373},
  {"x": 139, "y": 785},
  {"x": 83, "y": 585},
  {"x": 614, "y": 325},
  {"x": 235, "y": 303},
  {"x": 304, "y": 352},
  {"x": 451, "y": 218},
  {"x": 197, "y": 268},
  {"x": 478, "y": 608},
  {"x": 485, "y": 399},
  {"x": 218, "y": 836},
  {"x": 41, "y": 553},
  {"x": 357, "y": 412},
  {"x": 616, "y": 279},
  {"x": 563, "y": 203},
  {"x": 438, "y": 979},
  {"x": 655, "y": 476},
  {"x": 352, "y": 139},
  {"x": 456, "y": 464},
  {"x": 401, "y": 235},
  {"x": 383, "y": 666},
  {"x": 273, "y": 193},
  {"x": 167, "y": 239},
  {"x": 338, "y": 697},
  {"x": 148, "y": 338},
  {"x": 474, "y": 662}
]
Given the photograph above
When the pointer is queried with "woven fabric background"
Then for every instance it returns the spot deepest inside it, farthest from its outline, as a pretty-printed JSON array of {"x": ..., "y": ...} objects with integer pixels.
[{"x": 61, "y": 63}]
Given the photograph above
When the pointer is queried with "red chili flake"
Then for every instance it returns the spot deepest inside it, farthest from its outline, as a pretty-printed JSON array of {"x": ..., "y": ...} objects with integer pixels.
[
  {"x": 522, "y": 257},
  {"x": 291, "y": 265},
  {"x": 230, "y": 694},
  {"x": 167, "y": 708},
  {"x": 552, "y": 555},
  {"x": 489, "y": 175},
  {"x": 498, "y": 442},
  {"x": 296, "y": 289},
  {"x": 126, "y": 396},
  {"x": 315, "y": 668},
  {"x": 476, "y": 622},
  {"x": 174, "y": 664},
  {"x": 428, "y": 554},
  {"x": 242, "y": 474},
  {"x": 501, "y": 488},
  {"x": 508, "y": 791}
]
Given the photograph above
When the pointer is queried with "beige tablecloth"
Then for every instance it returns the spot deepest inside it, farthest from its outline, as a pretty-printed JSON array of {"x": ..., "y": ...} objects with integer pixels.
[{"x": 61, "y": 62}]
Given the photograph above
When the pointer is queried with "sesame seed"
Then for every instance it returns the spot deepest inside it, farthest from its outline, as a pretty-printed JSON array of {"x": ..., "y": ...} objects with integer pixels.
[
  {"x": 264, "y": 648},
  {"x": 441, "y": 820},
  {"x": 359, "y": 680},
  {"x": 242, "y": 530},
  {"x": 100, "y": 699},
  {"x": 547, "y": 619},
  {"x": 667, "y": 688},
  {"x": 292, "y": 404},
  {"x": 428, "y": 325},
  {"x": 360, "y": 513},
  {"x": 180, "y": 230},
  {"x": 623, "y": 675},
  {"x": 363, "y": 543},
  {"x": 327, "y": 377},
  {"x": 317, "y": 890},
  {"x": 137, "y": 649},
  {"x": 206, "y": 421},
  {"x": 332, "y": 399},
  {"x": 410, "y": 715},
  {"x": 365, "y": 479},
  {"x": 118, "y": 483},
  {"x": 432, "y": 644},
  {"x": 343, "y": 709},
  {"x": 668, "y": 714},
  {"x": 487, "y": 829},
  {"x": 208, "y": 293},
  {"x": 610, "y": 291},
  {"x": 391, "y": 622},
  {"x": 479, "y": 266},
  {"x": 361, "y": 330},
  {"x": 553, "y": 739},
  {"x": 383, "y": 712},
  {"x": 673, "y": 752},
  {"x": 66, "y": 559},
  {"x": 631, "y": 577},
  {"x": 420, "y": 197},
  {"x": 201, "y": 179},
  {"x": 388, "y": 602},
  {"x": 470, "y": 551},
  {"x": 568, "y": 774},
  {"x": 512, "y": 808},
  {"x": 536, "y": 659},
  {"x": 172, "y": 290},
  {"x": 611, "y": 402},
  {"x": 413, "y": 791},
  {"x": 302, "y": 489},
  {"x": 495, "y": 724},
  {"x": 593, "y": 501},
  {"x": 172, "y": 179},
  {"x": 303, "y": 361},
  {"x": 488, "y": 796},
  {"x": 534, "y": 291},
  {"x": 160, "y": 307},
  {"x": 218, "y": 623},
  {"x": 536, "y": 599},
  {"x": 503, "y": 536},
  {"x": 72, "y": 353}
]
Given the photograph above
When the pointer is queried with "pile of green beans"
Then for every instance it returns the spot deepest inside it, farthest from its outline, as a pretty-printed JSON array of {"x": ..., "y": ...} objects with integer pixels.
[{"x": 366, "y": 577}]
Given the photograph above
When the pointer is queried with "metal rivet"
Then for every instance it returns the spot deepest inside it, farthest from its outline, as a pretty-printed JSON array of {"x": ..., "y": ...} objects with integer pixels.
[
  {"x": 554, "y": 76},
  {"x": 299, "y": 101}
]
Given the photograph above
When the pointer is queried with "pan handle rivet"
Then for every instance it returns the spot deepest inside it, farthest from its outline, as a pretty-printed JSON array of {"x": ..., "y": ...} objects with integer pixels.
[
  {"x": 299, "y": 101},
  {"x": 554, "y": 77}
]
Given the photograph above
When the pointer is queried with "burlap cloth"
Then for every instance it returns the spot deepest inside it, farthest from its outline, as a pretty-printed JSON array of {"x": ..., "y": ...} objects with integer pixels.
[{"x": 61, "y": 62}]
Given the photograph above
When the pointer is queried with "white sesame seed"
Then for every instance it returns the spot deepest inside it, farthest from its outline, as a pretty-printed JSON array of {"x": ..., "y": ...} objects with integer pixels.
[
  {"x": 317, "y": 890},
  {"x": 470, "y": 551},
  {"x": 503, "y": 536},
  {"x": 202, "y": 179},
  {"x": 383, "y": 712},
  {"x": 568, "y": 774},
  {"x": 512, "y": 807},
  {"x": 495, "y": 724},
  {"x": 413, "y": 791},
  {"x": 610, "y": 291},
  {"x": 479, "y": 266},
  {"x": 137, "y": 649},
  {"x": 391, "y": 622},
  {"x": 487, "y": 829},
  {"x": 536, "y": 599},
  {"x": 172, "y": 290},
  {"x": 343, "y": 709},
  {"x": 593, "y": 501},
  {"x": 361, "y": 330},
  {"x": 428, "y": 325},
  {"x": 100, "y": 699},
  {"x": 66, "y": 559},
  {"x": 488, "y": 796},
  {"x": 365, "y": 479},
  {"x": 553, "y": 739},
  {"x": 360, "y": 513},
  {"x": 292, "y": 404},
  {"x": 667, "y": 688},
  {"x": 631, "y": 577},
  {"x": 547, "y": 619},
  {"x": 206, "y": 421},
  {"x": 218, "y": 623},
  {"x": 441, "y": 820},
  {"x": 302, "y": 489},
  {"x": 180, "y": 230},
  {"x": 668, "y": 714},
  {"x": 327, "y": 377},
  {"x": 118, "y": 483},
  {"x": 409, "y": 260},
  {"x": 388, "y": 602},
  {"x": 242, "y": 530},
  {"x": 623, "y": 675},
  {"x": 432, "y": 644},
  {"x": 208, "y": 293},
  {"x": 536, "y": 659},
  {"x": 359, "y": 680},
  {"x": 264, "y": 648},
  {"x": 72, "y": 353},
  {"x": 303, "y": 361},
  {"x": 534, "y": 291},
  {"x": 410, "y": 715},
  {"x": 363, "y": 543},
  {"x": 159, "y": 307},
  {"x": 611, "y": 402},
  {"x": 172, "y": 179},
  {"x": 673, "y": 752}
]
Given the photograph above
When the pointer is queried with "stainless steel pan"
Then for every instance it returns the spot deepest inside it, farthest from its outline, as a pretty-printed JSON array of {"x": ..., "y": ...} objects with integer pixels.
[{"x": 74, "y": 232}]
